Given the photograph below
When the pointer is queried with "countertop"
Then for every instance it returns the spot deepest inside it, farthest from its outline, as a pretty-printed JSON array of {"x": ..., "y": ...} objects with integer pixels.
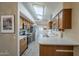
[
  {"x": 21, "y": 37},
  {"x": 57, "y": 41}
]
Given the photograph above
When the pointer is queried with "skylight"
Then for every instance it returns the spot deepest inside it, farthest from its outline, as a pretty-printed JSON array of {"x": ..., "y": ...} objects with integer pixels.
[
  {"x": 39, "y": 11},
  {"x": 39, "y": 17}
]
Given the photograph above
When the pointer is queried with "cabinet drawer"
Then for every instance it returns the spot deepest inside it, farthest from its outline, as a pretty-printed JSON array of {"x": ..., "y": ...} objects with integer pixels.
[
  {"x": 62, "y": 47},
  {"x": 64, "y": 50}
]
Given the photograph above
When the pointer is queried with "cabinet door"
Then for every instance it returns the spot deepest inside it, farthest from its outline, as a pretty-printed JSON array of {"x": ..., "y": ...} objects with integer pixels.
[
  {"x": 23, "y": 45},
  {"x": 53, "y": 24},
  {"x": 65, "y": 19},
  {"x": 50, "y": 24},
  {"x": 67, "y": 16},
  {"x": 47, "y": 50},
  {"x": 61, "y": 20},
  {"x": 56, "y": 21}
]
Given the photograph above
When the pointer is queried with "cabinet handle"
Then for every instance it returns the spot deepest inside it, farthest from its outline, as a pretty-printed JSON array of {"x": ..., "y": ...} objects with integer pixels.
[{"x": 64, "y": 50}]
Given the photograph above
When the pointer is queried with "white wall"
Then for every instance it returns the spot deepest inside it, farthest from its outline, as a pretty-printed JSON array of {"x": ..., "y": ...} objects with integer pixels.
[
  {"x": 67, "y": 5},
  {"x": 74, "y": 32},
  {"x": 60, "y": 6},
  {"x": 57, "y": 8},
  {"x": 8, "y": 41}
]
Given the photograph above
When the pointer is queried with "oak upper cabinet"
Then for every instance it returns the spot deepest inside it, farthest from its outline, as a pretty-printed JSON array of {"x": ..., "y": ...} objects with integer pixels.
[
  {"x": 61, "y": 20},
  {"x": 55, "y": 23},
  {"x": 65, "y": 17},
  {"x": 50, "y": 24}
]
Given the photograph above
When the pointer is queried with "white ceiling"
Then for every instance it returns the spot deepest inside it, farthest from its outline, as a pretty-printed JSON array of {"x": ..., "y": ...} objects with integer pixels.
[{"x": 50, "y": 8}]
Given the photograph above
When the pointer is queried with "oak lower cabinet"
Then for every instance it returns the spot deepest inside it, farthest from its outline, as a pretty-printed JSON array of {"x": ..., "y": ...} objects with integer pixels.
[
  {"x": 23, "y": 45},
  {"x": 56, "y": 50},
  {"x": 47, "y": 50}
]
